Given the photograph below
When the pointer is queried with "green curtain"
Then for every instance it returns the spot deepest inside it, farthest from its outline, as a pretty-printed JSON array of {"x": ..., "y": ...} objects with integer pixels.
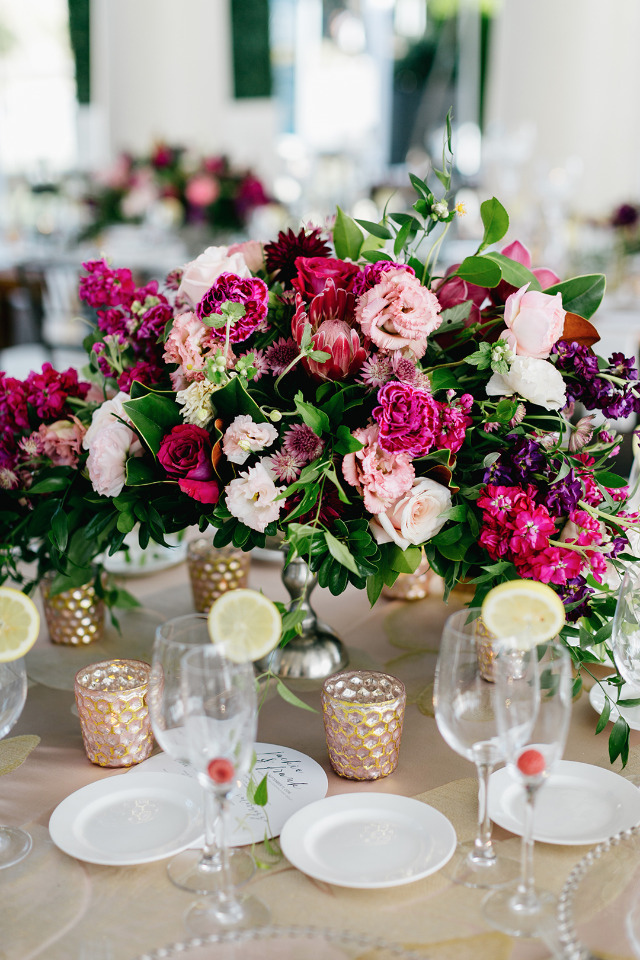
[
  {"x": 79, "y": 31},
  {"x": 251, "y": 50}
]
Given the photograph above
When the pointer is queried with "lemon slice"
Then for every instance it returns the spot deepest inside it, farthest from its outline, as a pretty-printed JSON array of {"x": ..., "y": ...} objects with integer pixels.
[
  {"x": 247, "y": 623},
  {"x": 19, "y": 624},
  {"x": 527, "y": 610}
]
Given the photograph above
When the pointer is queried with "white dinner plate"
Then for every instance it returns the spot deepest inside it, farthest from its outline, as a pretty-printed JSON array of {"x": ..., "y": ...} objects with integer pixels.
[
  {"x": 630, "y": 714},
  {"x": 368, "y": 840},
  {"x": 126, "y": 820},
  {"x": 578, "y": 804}
]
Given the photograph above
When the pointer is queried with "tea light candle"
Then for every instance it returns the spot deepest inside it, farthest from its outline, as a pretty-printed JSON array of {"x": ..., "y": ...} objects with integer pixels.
[
  {"x": 363, "y": 712},
  {"x": 214, "y": 571},
  {"x": 114, "y": 717}
]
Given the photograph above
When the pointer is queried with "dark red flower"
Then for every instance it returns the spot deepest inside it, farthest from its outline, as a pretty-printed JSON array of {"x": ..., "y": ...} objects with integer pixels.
[
  {"x": 281, "y": 254},
  {"x": 313, "y": 273}
]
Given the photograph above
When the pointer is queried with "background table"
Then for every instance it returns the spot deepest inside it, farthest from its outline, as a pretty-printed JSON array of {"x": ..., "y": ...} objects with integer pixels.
[{"x": 51, "y": 904}]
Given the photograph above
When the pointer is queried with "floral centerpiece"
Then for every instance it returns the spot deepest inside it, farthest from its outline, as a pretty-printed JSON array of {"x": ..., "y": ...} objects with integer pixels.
[
  {"x": 343, "y": 391},
  {"x": 192, "y": 189}
]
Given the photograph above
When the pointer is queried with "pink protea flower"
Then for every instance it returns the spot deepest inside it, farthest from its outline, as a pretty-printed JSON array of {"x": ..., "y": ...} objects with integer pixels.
[
  {"x": 330, "y": 314},
  {"x": 381, "y": 478},
  {"x": 251, "y": 292},
  {"x": 398, "y": 313},
  {"x": 303, "y": 443}
]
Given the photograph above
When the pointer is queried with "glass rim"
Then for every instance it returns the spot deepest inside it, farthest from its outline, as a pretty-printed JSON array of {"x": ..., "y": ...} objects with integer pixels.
[{"x": 77, "y": 680}]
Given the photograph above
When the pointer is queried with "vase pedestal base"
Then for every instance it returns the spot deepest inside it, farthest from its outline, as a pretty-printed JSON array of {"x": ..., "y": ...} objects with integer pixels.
[{"x": 310, "y": 657}]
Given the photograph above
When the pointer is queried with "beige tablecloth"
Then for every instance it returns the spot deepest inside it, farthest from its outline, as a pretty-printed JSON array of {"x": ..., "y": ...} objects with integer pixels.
[{"x": 52, "y": 904}]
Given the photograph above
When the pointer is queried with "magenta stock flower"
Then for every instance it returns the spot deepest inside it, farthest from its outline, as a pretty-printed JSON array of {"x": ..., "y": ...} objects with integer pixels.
[
  {"x": 49, "y": 391},
  {"x": 251, "y": 293},
  {"x": 104, "y": 287},
  {"x": 330, "y": 314}
]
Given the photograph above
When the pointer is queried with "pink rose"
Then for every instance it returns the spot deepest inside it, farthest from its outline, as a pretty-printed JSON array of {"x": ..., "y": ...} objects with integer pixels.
[
  {"x": 253, "y": 253},
  {"x": 244, "y": 437},
  {"x": 313, "y": 273},
  {"x": 252, "y": 498},
  {"x": 107, "y": 460},
  {"x": 535, "y": 322},
  {"x": 380, "y": 477},
  {"x": 202, "y": 190},
  {"x": 398, "y": 313},
  {"x": 199, "y": 275},
  {"x": 415, "y": 517},
  {"x": 62, "y": 441}
]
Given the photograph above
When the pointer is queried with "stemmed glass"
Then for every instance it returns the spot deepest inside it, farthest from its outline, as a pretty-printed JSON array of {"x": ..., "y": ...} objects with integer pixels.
[
  {"x": 625, "y": 634},
  {"x": 15, "y": 843},
  {"x": 533, "y": 706},
  {"x": 221, "y": 715},
  {"x": 463, "y": 701},
  {"x": 198, "y": 871}
]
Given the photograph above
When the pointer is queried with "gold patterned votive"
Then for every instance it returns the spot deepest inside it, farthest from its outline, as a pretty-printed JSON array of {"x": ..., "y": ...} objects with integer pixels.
[
  {"x": 214, "y": 571},
  {"x": 485, "y": 649},
  {"x": 74, "y": 616},
  {"x": 411, "y": 586},
  {"x": 363, "y": 711},
  {"x": 114, "y": 717}
]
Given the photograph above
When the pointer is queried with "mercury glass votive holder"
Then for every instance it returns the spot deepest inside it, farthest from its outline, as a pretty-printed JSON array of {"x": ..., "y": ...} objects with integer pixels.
[
  {"x": 363, "y": 713},
  {"x": 485, "y": 649},
  {"x": 411, "y": 586},
  {"x": 114, "y": 717},
  {"x": 214, "y": 571},
  {"x": 74, "y": 617}
]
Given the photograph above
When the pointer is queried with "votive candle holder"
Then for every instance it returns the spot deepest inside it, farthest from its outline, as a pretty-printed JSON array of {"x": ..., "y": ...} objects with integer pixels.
[
  {"x": 111, "y": 697},
  {"x": 74, "y": 617},
  {"x": 363, "y": 713},
  {"x": 214, "y": 571}
]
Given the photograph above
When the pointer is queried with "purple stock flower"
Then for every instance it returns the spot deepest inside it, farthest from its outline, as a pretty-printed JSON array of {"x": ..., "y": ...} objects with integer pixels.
[
  {"x": 575, "y": 591},
  {"x": 563, "y": 495}
]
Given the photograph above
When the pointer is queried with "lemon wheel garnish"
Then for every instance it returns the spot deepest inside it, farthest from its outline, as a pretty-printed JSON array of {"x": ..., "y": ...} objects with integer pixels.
[
  {"x": 247, "y": 623},
  {"x": 19, "y": 624},
  {"x": 529, "y": 611}
]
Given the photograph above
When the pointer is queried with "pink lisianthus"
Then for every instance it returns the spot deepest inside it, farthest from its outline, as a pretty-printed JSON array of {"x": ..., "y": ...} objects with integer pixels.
[
  {"x": 202, "y": 190},
  {"x": 415, "y": 517},
  {"x": 252, "y": 498},
  {"x": 408, "y": 419},
  {"x": 330, "y": 314},
  {"x": 62, "y": 441},
  {"x": 313, "y": 273},
  {"x": 199, "y": 275},
  {"x": 381, "y": 478},
  {"x": 187, "y": 344},
  {"x": 535, "y": 321},
  {"x": 251, "y": 293},
  {"x": 398, "y": 313},
  {"x": 244, "y": 437}
]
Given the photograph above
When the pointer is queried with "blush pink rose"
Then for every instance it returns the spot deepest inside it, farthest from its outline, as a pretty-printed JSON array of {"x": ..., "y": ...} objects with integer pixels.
[
  {"x": 62, "y": 441},
  {"x": 199, "y": 275},
  {"x": 415, "y": 517},
  {"x": 244, "y": 437},
  {"x": 535, "y": 322},
  {"x": 380, "y": 478},
  {"x": 398, "y": 314},
  {"x": 252, "y": 498}
]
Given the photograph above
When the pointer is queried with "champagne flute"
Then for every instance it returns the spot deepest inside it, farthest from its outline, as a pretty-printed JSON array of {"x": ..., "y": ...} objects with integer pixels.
[
  {"x": 15, "y": 843},
  {"x": 198, "y": 871},
  {"x": 533, "y": 707},
  {"x": 221, "y": 716},
  {"x": 463, "y": 701}
]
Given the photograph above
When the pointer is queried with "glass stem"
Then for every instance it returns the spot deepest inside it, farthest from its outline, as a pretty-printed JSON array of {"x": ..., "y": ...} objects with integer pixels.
[
  {"x": 526, "y": 885},
  {"x": 210, "y": 859},
  {"x": 483, "y": 848},
  {"x": 226, "y": 894}
]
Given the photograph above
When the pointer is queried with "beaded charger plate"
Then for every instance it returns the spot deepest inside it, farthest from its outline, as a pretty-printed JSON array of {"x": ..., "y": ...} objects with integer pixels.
[{"x": 599, "y": 908}]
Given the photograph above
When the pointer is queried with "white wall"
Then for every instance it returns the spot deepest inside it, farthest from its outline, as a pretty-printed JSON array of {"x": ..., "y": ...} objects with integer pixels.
[
  {"x": 568, "y": 72},
  {"x": 162, "y": 69}
]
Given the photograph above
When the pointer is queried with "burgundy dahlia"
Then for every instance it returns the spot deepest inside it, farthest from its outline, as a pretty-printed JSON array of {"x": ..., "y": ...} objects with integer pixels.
[{"x": 281, "y": 254}]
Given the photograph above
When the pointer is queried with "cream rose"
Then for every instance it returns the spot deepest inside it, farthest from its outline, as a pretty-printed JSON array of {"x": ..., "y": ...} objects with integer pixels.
[
  {"x": 199, "y": 275},
  {"x": 110, "y": 443},
  {"x": 415, "y": 517},
  {"x": 533, "y": 379},
  {"x": 535, "y": 322}
]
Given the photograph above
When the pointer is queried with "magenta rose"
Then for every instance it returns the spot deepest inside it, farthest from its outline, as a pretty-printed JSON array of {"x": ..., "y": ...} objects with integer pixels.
[
  {"x": 408, "y": 418},
  {"x": 185, "y": 454},
  {"x": 313, "y": 273}
]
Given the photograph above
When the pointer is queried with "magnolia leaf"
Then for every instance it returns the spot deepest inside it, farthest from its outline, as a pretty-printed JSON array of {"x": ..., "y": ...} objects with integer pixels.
[
  {"x": 496, "y": 222},
  {"x": 581, "y": 295},
  {"x": 482, "y": 271},
  {"x": 514, "y": 273},
  {"x": 139, "y": 472},
  {"x": 59, "y": 533},
  {"x": 153, "y": 416},
  {"x": 347, "y": 237},
  {"x": 233, "y": 399},
  {"x": 578, "y": 330}
]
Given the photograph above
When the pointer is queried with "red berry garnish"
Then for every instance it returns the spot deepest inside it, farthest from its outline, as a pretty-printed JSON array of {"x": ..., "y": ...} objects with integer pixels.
[
  {"x": 220, "y": 770},
  {"x": 531, "y": 763}
]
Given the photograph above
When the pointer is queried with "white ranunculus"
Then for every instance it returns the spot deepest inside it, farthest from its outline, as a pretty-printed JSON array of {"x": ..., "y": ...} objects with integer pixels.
[
  {"x": 533, "y": 379},
  {"x": 200, "y": 275},
  {"x": 415, "y": 517}
]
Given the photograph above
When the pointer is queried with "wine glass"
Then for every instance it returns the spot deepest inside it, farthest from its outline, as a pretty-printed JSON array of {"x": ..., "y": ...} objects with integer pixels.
[
  {"x": 15, "y": 843},
  {"x": 221, "y": 715},
  {"x": 533, "y": 707},
  {"x": 198, "y": 871},
  {"x": 625, "y": 633},
  {"x": 463, "y": 701}
]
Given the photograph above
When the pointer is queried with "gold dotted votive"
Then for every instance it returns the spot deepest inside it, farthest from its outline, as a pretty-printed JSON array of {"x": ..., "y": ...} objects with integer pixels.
[
  {"x": 485, "y": 650},
  {"x": 412, "y": 586},
  {"x": 74, "y": 617},
  {"x": 363, "y": 712},
  {"x": 111, "y": 697},
  {"x": 214, "y": 571}
]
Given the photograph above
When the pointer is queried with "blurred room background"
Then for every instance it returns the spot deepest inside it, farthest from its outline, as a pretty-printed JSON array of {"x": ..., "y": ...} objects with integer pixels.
[{"x": 148, "y": 130}]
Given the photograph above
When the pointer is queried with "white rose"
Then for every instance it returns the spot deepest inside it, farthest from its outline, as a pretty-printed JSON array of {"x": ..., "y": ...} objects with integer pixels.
[
  {"x": 535, "y": 380},
  {"x": 106, "y": 413},
  {"x": 108, "y": 457},
  {"x": 415, "y": 517},
  {"x": 200, "y": 274}
]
